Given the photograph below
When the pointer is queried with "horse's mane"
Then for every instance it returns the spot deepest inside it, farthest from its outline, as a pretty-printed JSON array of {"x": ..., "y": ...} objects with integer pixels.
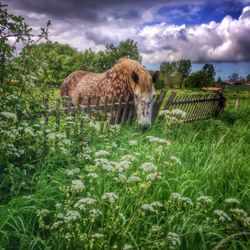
[{"x": 126, "y": 66}]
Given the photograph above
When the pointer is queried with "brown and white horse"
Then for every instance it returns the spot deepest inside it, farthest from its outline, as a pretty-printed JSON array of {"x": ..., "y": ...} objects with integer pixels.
[{"x": 127, "y": 77}]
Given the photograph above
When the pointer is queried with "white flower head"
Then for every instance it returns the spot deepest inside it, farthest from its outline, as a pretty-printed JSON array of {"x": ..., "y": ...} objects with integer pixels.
[
  {"x": 148, "y": 167},
  {"x": 176, "y": 159},
  {"x": 153, "y": 176},
  {"x": 84, "y": 202},
  {"x": 148, "y": 207},
  {"x": 223, "y": 217},
  {"x": 110, "y": 197},
  {"x": 72, "y": 216},
  {"x": 204, "y": 199},
  {"x": 232, "y": 201},
  {"x": 102, "y": 153},
  {"x": 133, "y": 142},
  {"x": 77, "y": 185},
  {"x": 130, "y": 158},
  {"x": 133, "y": 179}
]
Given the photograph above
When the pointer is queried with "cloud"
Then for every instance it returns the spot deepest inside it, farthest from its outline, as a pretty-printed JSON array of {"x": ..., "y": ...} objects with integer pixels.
[
  {"x": 228, "y": 40},
  {"x": 151, "y": 23}
]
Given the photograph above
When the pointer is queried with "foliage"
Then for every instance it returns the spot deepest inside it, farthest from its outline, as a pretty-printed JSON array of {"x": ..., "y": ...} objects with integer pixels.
[
  {"x": 209, "y": 70},
  {"x": 174, "y": 73},
  {"x": 14, "y": 31},
  {"x": 197, "y": 80},
  {"x": 179, "y": 188}
]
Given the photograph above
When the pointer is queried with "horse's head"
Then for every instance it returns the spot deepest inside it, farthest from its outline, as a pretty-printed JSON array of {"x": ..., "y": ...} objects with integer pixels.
[
  {"x": 141, "y": 84},
  {"x": 144, "y": 92}
]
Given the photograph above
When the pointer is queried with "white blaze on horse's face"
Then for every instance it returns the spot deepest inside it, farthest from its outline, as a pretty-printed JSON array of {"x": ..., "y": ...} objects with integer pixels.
[{"x": 144, "y": 101}]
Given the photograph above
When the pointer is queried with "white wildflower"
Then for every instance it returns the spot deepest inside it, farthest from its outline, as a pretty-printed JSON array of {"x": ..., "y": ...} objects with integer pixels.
[
  {"x": 223, "y": 217},
  {"x": 174, "y": 240},
  {"x": 239, "y": 212},
  {"x": 8, "y": 115},
  {"x": 110, "y": 197},
  {"x": 133, "y": 142},
  {"x": 204, "y": 199},
  {"x": 130, "y": 158},
  {"x": 133, "y": 179},
  {"x": 95, "y": 213},
  {"x": 29, "y": 131},
  {"x": 175, "y": 196},
  {"x": 121, "y": 166},
  {"x": 232, "y": 201},
  {"x": 156, "y": 204},
  {"x": 84, "y": 202},
  {"x": 158, "y": 140},
  {"x": 127, "y": 247},
  {"x": 57, "y": 224},
  {"x": 104, "y": 164},
  {"x": 187, "y": 201},
  {"x": 153, "y": 176},
  {"x": 77, "y": 185},
  {"x": 148, "y": 167},
  {"x": 72, "y": 216},
  {"x": 71, "y": 172},
  {"x": 98, "y": 235},
  {"x": 101, "y": 153},
  {"x": 179, "y": 112},
  {"x": 121, "y": 178},
  {"x": 176, "y": 159},
  {"x": 148, "y": 207},
  {"x": 93, "y": 175}
]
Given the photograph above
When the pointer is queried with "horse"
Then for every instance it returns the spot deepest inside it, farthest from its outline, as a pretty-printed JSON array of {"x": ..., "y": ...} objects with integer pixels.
[{"x": 126, "y": 78}]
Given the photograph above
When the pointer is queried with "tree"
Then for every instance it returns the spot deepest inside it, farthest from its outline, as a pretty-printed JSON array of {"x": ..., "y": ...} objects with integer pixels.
[
  {"x": 248, "y": 77},
  {"x": 51, "y": 62},
  {"x": 174, "y": 73},
  {"x": 210, "y": 72},
  {"x": 197, "y": 80},
  {"x": 167, "y": 73},
  {"x": 234, "y": 77},
  {"x": 184, "y": 69},
  {"x": 14, "y": 27}
]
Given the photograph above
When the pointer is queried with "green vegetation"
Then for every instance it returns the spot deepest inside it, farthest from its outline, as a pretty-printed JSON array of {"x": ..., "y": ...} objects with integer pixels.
[
  {"x": 183, "y": 187},
  {"x": 176, "y": 186}
]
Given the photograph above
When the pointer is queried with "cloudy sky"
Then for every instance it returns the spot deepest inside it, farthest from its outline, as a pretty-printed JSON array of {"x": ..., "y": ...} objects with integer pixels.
[{"x": 201, "y": 30}]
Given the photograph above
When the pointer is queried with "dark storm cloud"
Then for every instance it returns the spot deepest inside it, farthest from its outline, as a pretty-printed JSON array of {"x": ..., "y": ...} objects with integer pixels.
[{"x": 158, "y": 26}]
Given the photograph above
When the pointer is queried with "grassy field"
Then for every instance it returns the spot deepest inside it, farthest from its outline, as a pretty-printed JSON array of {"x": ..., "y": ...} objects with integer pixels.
[{"x": 182, "y": 187}]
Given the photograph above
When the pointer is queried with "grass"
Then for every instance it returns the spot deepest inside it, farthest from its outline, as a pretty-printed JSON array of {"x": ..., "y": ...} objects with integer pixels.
[{"x": 176, "y": 203}]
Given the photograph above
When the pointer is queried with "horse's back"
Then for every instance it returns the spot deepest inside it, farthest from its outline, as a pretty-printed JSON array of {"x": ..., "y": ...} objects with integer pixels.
[{"x": 71, "y": 81}]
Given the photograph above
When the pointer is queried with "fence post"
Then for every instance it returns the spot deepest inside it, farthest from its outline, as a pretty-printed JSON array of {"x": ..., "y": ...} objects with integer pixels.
[
  {"x": 237, "y": 103},
  {"x": 158, "y": 102},
  {"x": 170, "y": 100}
]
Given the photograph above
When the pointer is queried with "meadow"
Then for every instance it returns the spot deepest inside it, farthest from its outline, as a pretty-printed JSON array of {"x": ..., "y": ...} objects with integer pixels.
[{"x": 182, "y": 186}]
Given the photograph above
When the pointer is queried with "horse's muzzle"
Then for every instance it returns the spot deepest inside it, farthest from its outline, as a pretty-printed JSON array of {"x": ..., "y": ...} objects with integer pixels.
[{"x": 144, "y": 127}]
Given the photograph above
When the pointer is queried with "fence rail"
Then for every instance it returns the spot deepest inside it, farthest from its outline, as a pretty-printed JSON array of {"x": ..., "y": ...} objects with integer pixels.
[{"x": 197, "y": 107}]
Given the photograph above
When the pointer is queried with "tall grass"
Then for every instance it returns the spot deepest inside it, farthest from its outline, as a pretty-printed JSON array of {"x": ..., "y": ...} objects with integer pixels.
[{"x": 176, "y": 202}]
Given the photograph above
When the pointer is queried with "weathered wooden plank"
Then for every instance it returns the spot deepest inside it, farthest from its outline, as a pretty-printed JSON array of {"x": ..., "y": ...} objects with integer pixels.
[
  {"x": 125, "y": 110},
  {"x": 111, "y": 110},
  {"x": 170, "y": 100},
  {"x": 158, "y": 103},
  {"x": 118, "y": 110}
]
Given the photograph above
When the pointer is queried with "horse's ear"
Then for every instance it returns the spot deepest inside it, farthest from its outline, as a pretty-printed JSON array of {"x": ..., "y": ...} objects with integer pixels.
[
  {"x": 135, "y": 77},
  {"x": 155, "y": 76}
]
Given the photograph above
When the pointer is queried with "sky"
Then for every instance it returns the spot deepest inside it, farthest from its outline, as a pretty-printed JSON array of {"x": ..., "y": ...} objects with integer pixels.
[{"x": 165, "y": 30}]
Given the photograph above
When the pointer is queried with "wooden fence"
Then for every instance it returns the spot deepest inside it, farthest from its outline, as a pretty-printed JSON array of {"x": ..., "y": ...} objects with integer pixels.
[{"x": 197, "y": 107}]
